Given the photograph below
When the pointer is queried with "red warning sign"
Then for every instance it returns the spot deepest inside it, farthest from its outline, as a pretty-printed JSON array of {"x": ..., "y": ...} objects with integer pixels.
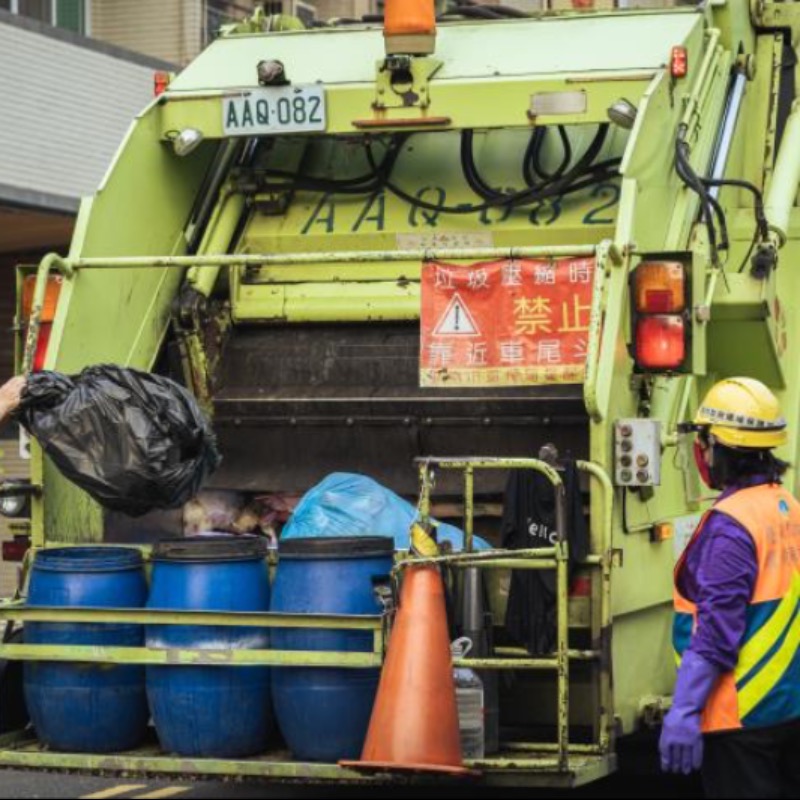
[{"x": 519, "y": 322}]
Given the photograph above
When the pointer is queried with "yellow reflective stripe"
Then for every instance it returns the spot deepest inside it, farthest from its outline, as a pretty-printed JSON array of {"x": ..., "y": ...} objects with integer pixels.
[
  {"x": 768, "y": 635},
  {"x": 763, "y": 683}
]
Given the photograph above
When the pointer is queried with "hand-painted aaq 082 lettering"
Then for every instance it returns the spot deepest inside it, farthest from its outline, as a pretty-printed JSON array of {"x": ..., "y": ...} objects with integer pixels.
[{"x": 285, "y": 109}]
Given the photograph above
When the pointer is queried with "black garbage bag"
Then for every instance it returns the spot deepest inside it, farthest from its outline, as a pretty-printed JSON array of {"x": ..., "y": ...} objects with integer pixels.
[{"x": 134, "y": 441}]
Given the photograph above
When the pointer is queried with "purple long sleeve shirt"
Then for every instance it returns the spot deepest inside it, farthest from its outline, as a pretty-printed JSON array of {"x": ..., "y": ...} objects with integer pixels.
[{"x": 718, "y": 576}]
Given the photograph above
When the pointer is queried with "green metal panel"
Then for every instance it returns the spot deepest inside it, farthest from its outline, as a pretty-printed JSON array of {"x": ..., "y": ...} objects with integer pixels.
[
  {"x": 492, "y": 103},
  {"x": 469, "y": 51},
  {"x": 120, "y": 318}
]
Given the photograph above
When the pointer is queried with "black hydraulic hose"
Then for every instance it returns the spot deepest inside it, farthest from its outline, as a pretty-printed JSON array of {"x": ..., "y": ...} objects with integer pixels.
[
  {"x": 525, "y": 197},
  {"x": 761, "y": 219},
  {"x": 511, "y": 12},
  {"x": 708, "y": 203},
  {"x": 535, "y": 156},
  {"x": 582, "y": 176},
  {"x": 578, "y": 178},
  {"x": 472, "y": 209},
  {"x": 363, "y": 184},
  {"x": 505, "y": 11},
  {"x": 474, "y": 12},
  {"x": 690, "y": 178},
  {"x": 471, "y": 174},
  {"x": 583, "y": 163},
  {"x": 534, "y": 145}
]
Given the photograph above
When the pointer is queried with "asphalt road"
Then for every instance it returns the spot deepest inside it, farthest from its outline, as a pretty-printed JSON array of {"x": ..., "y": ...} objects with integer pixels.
[
  {"x": 638, "y": 777},
  {"x": 56, "y": 785}
]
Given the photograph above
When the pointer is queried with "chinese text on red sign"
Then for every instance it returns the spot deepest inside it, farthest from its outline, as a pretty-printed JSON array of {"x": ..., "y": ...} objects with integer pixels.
[{"x": 505, "y": 323}]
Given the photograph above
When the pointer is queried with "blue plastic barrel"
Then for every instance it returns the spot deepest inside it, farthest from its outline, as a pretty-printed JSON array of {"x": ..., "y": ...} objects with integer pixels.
[
  {"x": 94, "y": 708},
  {"x": 324, "y": 713},
  {"x": 212, "y": 712}
]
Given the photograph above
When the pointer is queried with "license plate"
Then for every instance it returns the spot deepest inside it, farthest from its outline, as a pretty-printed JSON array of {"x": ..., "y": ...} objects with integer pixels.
[{"x": 284, "y": 109}]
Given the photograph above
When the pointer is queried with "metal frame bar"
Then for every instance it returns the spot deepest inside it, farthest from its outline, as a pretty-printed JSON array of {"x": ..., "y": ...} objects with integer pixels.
[
  {"x": 16, "y": 610},
  {"x": 68, "y": 265},
  {"x": 540, "y": 558},
  {"x": 245, "y": 619},
  {"x": 92, "y": 654},
  {"x": 19, "y": 750},
  {"x": 559, "y": 563}
]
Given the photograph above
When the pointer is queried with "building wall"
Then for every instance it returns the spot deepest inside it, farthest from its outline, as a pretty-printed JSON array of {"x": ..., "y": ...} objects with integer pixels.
[
  {"x": 328, "y": 9},
  {"x": 172, "y": 30},
  {"x": 65, "y": 110}
]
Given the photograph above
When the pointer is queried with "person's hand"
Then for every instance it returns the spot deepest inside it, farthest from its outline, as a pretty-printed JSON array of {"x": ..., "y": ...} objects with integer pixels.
[
  {"x": 10, "y": 396},
  {"x": 681, "y": 744}
]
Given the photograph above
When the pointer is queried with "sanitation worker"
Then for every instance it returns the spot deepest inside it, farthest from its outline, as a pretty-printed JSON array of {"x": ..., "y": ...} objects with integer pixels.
[
  {"x": 10, "y": 395},
  {"x": 736, "y": 632}
]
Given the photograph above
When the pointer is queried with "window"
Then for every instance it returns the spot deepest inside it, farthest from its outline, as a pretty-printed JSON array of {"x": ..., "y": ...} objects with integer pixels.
[
  {"x": 36, "y": 9},
  {"x": 72, "y": 15}
]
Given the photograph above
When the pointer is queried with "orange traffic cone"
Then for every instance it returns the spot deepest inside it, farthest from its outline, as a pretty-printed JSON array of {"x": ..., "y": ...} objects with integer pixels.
[{"x": 414, "y": 723}]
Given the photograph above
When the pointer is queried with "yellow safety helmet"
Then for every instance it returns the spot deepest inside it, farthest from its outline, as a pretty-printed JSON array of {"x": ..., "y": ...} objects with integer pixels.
[{"x": 742, "y": 412}]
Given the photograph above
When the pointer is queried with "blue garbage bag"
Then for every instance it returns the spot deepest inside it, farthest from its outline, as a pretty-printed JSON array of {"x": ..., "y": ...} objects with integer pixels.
[{"x": 346, "y": 504}]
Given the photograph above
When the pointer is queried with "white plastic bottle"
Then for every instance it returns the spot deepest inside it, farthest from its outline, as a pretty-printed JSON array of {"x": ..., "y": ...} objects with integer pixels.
[{"x": 469, "y": 696}]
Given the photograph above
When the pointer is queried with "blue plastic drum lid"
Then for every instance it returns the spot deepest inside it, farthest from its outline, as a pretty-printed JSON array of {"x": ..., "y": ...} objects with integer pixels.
[
  {"x": 81, "y": 707},
  {"x": 211, "y": 712},
  {"x": 324, "y": 713}
]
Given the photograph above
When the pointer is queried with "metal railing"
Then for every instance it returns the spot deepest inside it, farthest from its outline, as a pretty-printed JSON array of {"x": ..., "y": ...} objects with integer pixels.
[{"x": 548, "y": 558}]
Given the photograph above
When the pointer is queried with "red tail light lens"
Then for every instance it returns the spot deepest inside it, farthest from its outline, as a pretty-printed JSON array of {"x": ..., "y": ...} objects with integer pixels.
[
  {"x": 15, "y": 549},
  {"x": 160, "y": 83},
  {"x": 48, "y": 314},
  {"x": 660, "y": 342},
  {"x": 41, "y": 346},
  {"x": 50, "y": 298},
  {"x": 679, "y": 62}
]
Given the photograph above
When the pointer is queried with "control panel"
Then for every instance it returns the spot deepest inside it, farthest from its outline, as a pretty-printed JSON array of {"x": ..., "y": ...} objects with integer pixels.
[{"x": 637, "y": 452}]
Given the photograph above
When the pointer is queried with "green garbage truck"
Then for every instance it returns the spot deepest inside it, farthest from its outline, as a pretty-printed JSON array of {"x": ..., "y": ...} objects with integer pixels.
[{"x": 439, "y": 253}]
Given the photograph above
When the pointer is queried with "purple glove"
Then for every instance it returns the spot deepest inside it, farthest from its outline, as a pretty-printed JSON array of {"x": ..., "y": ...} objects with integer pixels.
[{"x": 681, "y": 744}]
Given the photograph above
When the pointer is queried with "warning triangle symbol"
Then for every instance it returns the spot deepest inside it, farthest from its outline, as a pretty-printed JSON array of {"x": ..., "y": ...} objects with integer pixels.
[{"x": 456, "y": 320}]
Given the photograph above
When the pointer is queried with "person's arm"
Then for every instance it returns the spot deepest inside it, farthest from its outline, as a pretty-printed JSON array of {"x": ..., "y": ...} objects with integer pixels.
[
  {"x": 10, "y": 396},
  {"x": 726, "y": 578}
]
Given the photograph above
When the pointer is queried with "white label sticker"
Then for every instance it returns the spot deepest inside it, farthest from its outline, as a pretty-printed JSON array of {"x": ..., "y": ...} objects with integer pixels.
[{"x": 684, "y": 530}]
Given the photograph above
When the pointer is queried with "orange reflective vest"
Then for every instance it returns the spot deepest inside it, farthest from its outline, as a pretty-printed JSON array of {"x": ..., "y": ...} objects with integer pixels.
[{"x": 764, "y": 687}]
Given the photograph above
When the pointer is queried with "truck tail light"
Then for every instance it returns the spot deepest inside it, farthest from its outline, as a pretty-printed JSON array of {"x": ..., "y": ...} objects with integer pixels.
[
  {"x": 660, "y": 342},
  {"x": 15, "y": 549},
  {"x": 679, "y": 62},
  {"x": 42, "y": 343},
  {"x": 659, "y": 303},
  {"x": 659, "y": 287},
  {"x": 161, "y": 81},
  {"x": 48, "y": 314},
  {"x": 50, "y": 297}
]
